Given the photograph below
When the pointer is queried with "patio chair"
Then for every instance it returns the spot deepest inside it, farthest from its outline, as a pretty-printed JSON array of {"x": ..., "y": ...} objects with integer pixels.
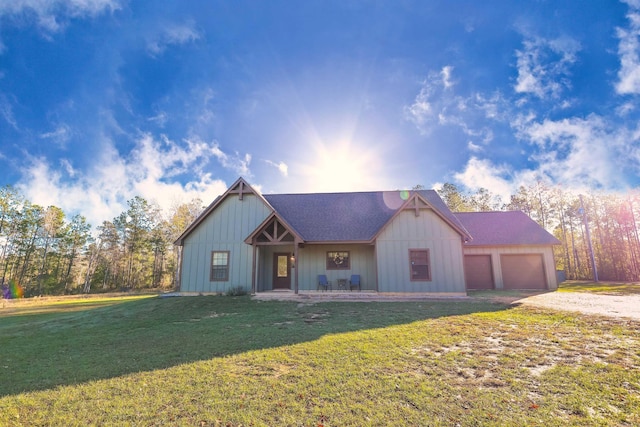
[
  {"x": 354, "y": 282},
  {"x": 323, "y": 283}
]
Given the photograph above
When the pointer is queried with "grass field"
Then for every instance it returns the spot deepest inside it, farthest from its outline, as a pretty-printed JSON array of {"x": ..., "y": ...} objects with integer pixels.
[
  {"x": 232, "y": 361},
  {"x": 605, "y": 288}
]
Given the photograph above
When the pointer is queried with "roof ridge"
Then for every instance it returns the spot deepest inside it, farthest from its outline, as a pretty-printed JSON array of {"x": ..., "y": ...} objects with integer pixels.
[
  {"x": 487, "y": 212},
  {"x": 342, "y": 192}
]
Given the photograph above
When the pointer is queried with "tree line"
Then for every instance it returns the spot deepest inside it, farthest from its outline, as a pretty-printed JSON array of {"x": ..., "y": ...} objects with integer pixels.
[
  {"x": 48, "y": 253},
  {"x": 611, "y": 219}
]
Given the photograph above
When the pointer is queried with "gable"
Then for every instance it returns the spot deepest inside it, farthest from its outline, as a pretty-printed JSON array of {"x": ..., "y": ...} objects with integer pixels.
[
  {"x": 427, "y": 226},
  {"x": 273, "y": 230},
  {"x": 240, "y": 204},
  {"x": 428, "y": 201}
]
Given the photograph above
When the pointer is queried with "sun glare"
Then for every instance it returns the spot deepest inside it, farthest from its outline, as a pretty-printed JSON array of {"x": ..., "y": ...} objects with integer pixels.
[{"x": 343, "y": 166}]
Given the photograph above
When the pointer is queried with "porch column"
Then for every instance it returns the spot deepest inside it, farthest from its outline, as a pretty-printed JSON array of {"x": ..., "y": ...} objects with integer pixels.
[
  {"x": 295, "y": 274},
  {"x": 375, "y": 263},
  {"x": 253, "y": 271}
]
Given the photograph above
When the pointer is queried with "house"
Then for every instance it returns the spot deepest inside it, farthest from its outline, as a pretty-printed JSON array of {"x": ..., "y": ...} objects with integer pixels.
[{"x": 396, "y": 241}]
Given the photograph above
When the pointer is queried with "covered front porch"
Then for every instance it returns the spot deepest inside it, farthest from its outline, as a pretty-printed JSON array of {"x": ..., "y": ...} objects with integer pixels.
[
  {"x": 283, "y": 261},
  {"x": 286, "y": 267}
]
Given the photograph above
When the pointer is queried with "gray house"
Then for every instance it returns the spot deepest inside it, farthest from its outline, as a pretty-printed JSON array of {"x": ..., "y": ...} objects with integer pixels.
[{"x": 395, "y": 241}]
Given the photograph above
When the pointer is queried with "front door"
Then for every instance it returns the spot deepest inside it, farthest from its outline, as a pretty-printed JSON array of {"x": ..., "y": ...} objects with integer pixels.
[{"x": 281, "y": 271}]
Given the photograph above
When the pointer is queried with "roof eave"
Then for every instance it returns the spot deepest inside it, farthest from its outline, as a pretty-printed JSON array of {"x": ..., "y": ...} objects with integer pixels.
[
  {"x": 487, "y": 245},
  {"x": 339, "y": 242}
]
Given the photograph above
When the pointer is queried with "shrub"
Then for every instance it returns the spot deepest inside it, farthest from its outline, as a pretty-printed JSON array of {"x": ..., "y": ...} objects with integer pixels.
[{"x": 236, "y": 292}]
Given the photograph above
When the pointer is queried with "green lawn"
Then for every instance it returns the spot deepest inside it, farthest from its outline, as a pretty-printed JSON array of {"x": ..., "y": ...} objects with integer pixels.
[
  {"x": 231, "y": 361},
  {"x": 605, "y": 288}
]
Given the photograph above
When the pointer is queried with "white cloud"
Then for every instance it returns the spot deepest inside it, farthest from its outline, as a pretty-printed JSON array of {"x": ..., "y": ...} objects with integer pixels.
[
  {"x": 438, "y": 105},
  {"x": 159, "y": 119},
  {"x": 582, "y": 152},
  {"x": 427, "y": 104},
  {"x": 421, "y": 109},
  {"x": 235, "y": 162},
  {"x": 543, "y": 66},
  {"x": 171, "y": 36},
  {"x": 626, "y": 108},
  {"x": 482, "y": 173},
  {"x": 6, "y": 111},
  {"x": 101, "y": 193},
  {"x": 60, "y": 135},
  {"x": 474, "y": 148},
  {"x": 577, "y": 153},
  {"x": 68, "y": 167},
  {"x": 49, "y": 13},
  {"x": 446, "y": 76},
  {"x": 281, "y": 166},
  {"x": 629, "y": 52}
]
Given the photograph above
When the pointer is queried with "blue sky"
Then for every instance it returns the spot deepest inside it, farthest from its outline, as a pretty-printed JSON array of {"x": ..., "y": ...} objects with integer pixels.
[{"x": 103, "y": 100}]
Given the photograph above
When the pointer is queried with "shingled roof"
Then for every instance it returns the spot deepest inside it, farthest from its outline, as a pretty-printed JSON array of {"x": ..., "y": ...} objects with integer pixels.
[
  {"x": 359, "y": 217},
  {"x": 504, "y": 228},
  {"x": 346, "y": 217}
]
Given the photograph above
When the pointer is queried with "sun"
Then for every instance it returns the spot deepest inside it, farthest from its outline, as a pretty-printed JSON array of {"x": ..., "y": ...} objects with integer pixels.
[{"x": 342, "y": 166}]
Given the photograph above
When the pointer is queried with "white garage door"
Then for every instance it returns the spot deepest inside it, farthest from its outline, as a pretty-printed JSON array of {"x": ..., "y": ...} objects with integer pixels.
[{"x": 523, "y": 271}]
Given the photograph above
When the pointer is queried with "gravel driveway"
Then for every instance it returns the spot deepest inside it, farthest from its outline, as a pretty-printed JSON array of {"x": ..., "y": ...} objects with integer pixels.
[{"x": 606, "y": 305}]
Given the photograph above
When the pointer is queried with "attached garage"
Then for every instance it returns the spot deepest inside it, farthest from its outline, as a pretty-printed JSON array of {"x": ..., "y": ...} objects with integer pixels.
[
  {"x": 508, "y": 251},
  {"x": 523, "y": 271},
  {"x": 478, "y": 272}
]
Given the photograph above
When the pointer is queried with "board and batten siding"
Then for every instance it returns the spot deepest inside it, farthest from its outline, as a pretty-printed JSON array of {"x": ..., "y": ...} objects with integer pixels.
[
  {"x": 224, "y": 229},
  {"x": 496, "y": 251},
  {"x": 313, "y": 261},
  {"x": 426, "y": 231}
]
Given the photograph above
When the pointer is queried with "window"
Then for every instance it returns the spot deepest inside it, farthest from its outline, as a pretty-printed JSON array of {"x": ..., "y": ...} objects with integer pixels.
[
  {"x": 283, "y": 266},
  {"x": 338, "y": 260},
  {"x": 219, "y": 266},
  {"x": 420, "y": 264}
]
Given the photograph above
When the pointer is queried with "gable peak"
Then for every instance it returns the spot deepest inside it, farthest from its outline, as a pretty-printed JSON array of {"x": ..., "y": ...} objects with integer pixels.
[{"x": 241, "y": 187}]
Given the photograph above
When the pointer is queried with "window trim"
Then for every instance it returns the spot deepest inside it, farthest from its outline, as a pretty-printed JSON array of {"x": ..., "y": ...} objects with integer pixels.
[
  {"x": 428, "y": 264},
  {"x": 333, "y": 266},
  {"x": 226, "y": 270}
]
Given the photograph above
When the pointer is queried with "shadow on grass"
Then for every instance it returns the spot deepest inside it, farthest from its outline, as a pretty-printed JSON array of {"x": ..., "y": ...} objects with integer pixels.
[
  {"x": 510, "y": 297},
  {"x": 41, "y": 351}
]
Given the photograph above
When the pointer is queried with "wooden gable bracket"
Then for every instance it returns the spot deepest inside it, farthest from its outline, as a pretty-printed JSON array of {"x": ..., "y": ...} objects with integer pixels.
[
  {"x": 240, "y": 187},
  {"x": 267, "y": 235},
  {"x": 272, "y": 233},
  {"x": 275, "y": 232},
  {"x": 416, "y": 203}
]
